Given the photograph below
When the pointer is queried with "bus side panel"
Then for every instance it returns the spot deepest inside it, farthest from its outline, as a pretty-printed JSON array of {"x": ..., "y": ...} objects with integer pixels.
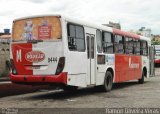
[
  {"x": 76, "y": 66},
  {"x": 102, "y": 68},
  {"x": 145, "y": 64},
  {"x": 77, "y": 80},
  {"x": 137, "y": 68},
  {"x": 127, "y": 67},
  {"x": 75, "y": 62}
]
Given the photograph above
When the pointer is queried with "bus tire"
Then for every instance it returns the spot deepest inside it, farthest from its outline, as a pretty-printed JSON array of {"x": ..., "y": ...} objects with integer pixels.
[
  {"x": 141, "y": 81},
  {"x": 108, "y": 81}
]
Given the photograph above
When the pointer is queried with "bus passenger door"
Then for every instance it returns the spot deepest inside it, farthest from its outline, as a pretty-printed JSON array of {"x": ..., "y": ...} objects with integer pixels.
[
  {"x": 90, "y": 59},
  {"x": 151, "y": 60}
]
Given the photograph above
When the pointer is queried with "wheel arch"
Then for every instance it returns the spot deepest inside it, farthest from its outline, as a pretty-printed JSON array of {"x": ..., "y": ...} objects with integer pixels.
[{"x": 111, "y": 70}]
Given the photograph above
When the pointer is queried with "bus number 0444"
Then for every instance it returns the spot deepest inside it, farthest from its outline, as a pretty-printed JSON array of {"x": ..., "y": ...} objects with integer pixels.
[{"x": 52, "y": 59}]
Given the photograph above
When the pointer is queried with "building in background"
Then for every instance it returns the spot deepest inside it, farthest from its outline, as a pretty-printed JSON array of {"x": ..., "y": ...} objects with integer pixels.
[
  {"x": 113, "y": 25},
  {"x": 5, "y": 38},
  {"x": 6, "y": 32},
  {"x": 156, "y": 38},
  {"x": 143, "y": 32}
]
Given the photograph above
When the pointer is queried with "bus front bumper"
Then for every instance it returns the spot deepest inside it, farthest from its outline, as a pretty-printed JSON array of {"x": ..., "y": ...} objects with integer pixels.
[{"x": 43, "y": 79}]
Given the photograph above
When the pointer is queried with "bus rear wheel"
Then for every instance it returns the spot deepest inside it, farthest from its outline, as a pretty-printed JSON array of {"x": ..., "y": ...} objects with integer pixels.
[
  {"x": 141, "y": 81},
  {"x": 108, "y": 81}
]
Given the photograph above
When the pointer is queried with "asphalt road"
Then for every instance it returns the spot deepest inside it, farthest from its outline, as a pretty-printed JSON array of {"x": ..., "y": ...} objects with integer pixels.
[{"x": 128, "y": 94}]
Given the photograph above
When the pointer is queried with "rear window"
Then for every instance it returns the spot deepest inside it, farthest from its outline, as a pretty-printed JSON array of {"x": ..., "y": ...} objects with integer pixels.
[{"x": 39, "y": 28}]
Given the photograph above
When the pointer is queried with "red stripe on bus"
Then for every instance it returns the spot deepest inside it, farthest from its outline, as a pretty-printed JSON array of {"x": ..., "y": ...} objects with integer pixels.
[
  {"x": 127, "y": 34},
  {"x": 127, "y": 67}
]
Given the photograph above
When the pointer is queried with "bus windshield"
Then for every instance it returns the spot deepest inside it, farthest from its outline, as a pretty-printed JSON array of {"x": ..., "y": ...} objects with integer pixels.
[{"x": 37, "y": 29}]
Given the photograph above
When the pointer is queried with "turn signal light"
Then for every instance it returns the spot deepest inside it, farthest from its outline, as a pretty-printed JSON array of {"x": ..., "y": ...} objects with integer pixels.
[{"x": 60, "y": 66}]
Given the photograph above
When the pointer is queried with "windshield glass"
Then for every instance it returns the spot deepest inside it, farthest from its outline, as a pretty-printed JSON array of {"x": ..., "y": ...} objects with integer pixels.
[{"x": 39, "y": 28}]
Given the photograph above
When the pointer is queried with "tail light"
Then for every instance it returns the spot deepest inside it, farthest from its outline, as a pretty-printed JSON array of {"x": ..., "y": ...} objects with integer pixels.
[
  {"x": 60, "y": 66},
  {"x": 12, "y": 67}
]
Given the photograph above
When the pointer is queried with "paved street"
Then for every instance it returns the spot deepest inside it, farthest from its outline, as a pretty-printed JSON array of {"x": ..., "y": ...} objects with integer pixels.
[{"x": 129, "y": 94}]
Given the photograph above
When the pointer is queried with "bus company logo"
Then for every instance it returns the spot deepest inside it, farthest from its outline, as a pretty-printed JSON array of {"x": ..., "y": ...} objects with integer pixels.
[
  {"x": 35, "y": 56},
  {"x": 133, "y": 65}
]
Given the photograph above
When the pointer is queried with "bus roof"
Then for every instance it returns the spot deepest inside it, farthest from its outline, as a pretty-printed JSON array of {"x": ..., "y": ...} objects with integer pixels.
[
  {"x": 92, "y": 25},
  {"x": 36, "y": 16},
  {"x": 105, "y": 28}
]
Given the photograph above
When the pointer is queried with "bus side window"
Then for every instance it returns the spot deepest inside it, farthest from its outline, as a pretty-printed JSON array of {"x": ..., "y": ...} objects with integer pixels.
[
  {"x": 71, "y": 37},
  {"x": 99, "y": 41},
  {"x": 76, "y": 40},
  {"x": 130, "y": 46},
  {"x": 107, "y": 40},
  {"x": 135, "y": 46},
  {"x": 144, "y": 48},
  {"x": 138, "y": 47},
  {"x": 126, "y": 45},
  {"x": 119, "y": 44}
]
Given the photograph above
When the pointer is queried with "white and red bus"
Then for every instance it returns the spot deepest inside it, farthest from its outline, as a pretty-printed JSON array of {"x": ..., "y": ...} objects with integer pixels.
[
  {"x": 53, "y": 49},
  {"x": 157, "y": 55}
]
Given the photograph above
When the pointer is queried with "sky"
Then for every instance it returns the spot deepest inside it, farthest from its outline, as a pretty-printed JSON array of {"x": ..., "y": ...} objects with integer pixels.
[{"x": 131, "y": 14}]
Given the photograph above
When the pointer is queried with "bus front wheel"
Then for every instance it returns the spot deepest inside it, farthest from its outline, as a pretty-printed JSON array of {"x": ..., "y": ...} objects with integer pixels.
[{"x": 108, "y": 81}]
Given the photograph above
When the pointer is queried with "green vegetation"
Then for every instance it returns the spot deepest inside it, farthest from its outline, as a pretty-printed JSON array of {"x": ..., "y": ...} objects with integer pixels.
[{"x": 154, "y": 42}]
